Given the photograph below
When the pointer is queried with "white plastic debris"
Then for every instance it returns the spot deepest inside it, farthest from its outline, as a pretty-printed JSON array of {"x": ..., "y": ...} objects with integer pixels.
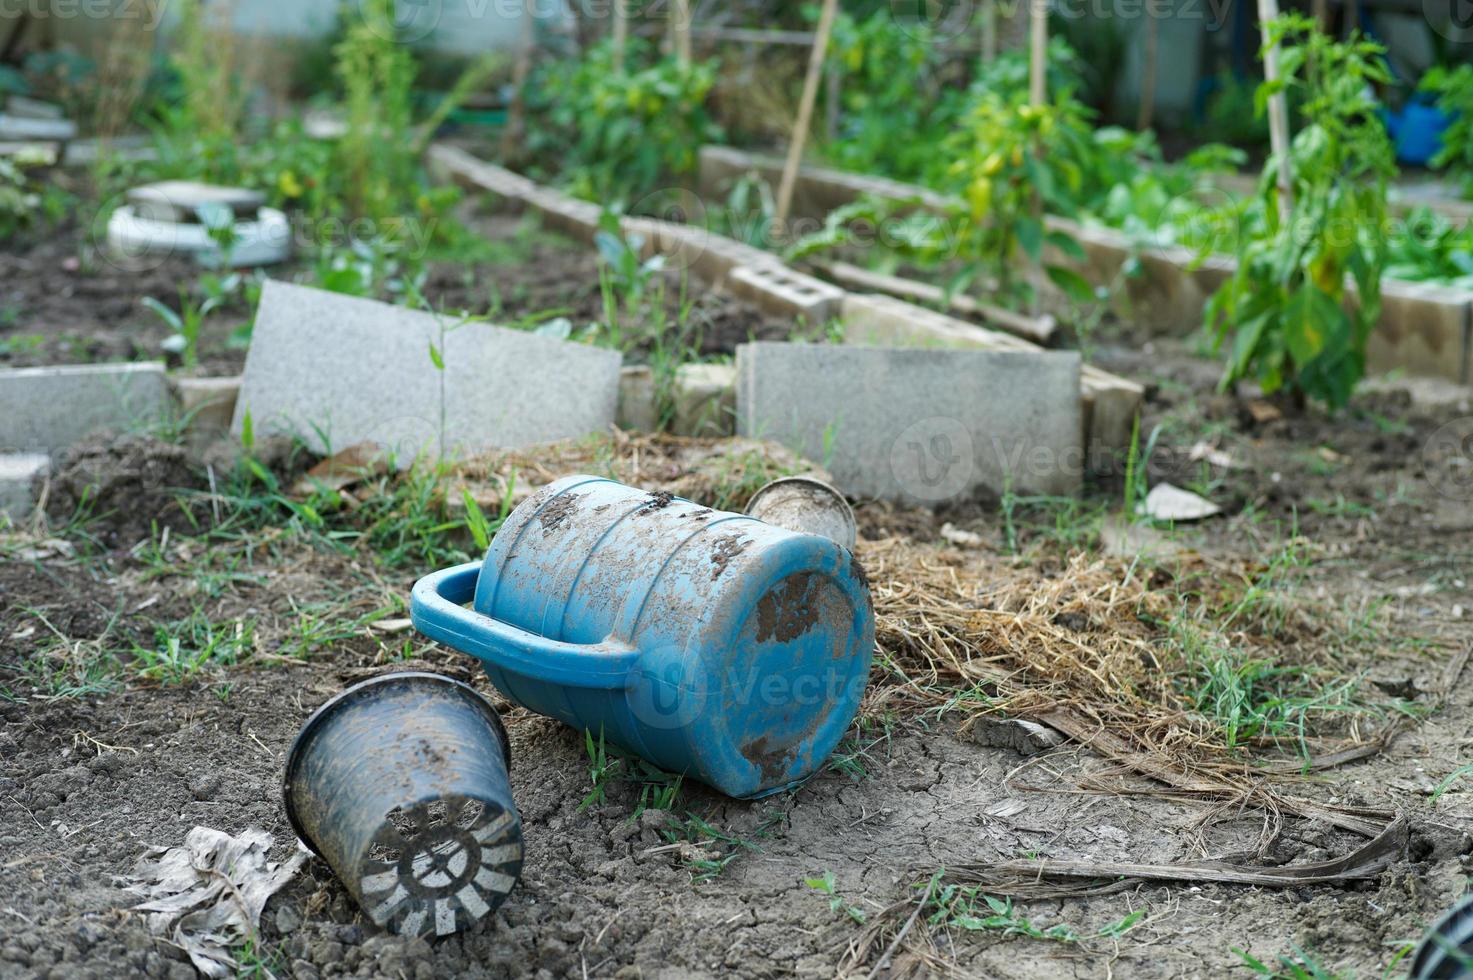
[
  {"x": 1169, "y": 503},
  {"x": 207, "y": 895},
  {"x": 1213, "y": 455},
  {"x": 960, "y": 536},
  {"x": 263, "y": 241}
]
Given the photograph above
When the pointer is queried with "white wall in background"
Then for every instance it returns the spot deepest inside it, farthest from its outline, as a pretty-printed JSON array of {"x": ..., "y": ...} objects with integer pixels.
[{"x": 465, "y": 27}]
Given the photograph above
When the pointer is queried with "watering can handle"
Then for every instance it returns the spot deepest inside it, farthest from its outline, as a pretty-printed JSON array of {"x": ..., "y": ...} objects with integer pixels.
[{"x": 437, "y": 606}]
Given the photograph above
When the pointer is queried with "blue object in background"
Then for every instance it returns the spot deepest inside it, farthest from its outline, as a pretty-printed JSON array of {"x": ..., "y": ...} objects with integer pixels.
[
  {"x": 710, "y": 643},
  {"x": 1416, "y": 131}
]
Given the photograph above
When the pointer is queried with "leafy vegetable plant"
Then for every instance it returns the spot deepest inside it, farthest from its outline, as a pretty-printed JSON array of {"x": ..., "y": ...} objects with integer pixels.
[
  {"x": 1454, "y": 90},
  {"x": 1285, "y": 316},
  {"x": 616, "y": 132}
]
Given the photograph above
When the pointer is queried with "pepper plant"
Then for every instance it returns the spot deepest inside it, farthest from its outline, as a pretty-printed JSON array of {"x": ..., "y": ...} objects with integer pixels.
[
  {"x": 1285, "y": 316},
  {"x": 616, "y": 132},
  {"x": 1011, "y": 163}
]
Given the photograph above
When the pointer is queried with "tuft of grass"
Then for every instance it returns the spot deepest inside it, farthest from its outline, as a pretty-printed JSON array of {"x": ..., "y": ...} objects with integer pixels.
[
  {"x": 63, "y": 667},
  {"x": 186, "y": 647},
  {"x": 854, "y": 752},
  {"x": 713, "y": 850},
  {"x": 1298, "y": 965},
  {"x": 658, "y": 789},
  {"x": 1452, "y": 777}
]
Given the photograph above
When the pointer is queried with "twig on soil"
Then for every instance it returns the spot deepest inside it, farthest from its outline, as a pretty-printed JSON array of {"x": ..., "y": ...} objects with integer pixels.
[
  {"x": 1032, "y": 879},
  {"x": 884, "y": 960}
]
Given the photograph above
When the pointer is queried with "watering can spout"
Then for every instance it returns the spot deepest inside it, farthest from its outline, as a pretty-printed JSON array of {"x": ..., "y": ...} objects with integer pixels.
[{"x": 437, "y": 607}]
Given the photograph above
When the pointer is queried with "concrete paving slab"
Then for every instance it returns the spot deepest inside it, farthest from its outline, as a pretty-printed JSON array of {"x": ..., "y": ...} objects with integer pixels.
[
  {"x": 919, "y": 426},
  {"x": 339, "y": 370}
]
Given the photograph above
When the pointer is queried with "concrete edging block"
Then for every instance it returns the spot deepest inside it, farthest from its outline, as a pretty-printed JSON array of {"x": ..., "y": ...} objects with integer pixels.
[
  {"x": 48, "y": 409},
  {"x": 917, "y": 425}
]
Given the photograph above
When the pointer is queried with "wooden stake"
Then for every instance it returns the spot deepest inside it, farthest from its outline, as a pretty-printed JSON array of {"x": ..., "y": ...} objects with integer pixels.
[
  {"x": 1148, "y": 74},
  {"x": 805, "y": 116},
  {"x": 1278, "y": 109},
  {"x": 621, "y": 32},
  {"x": 1038, "y": 62}
]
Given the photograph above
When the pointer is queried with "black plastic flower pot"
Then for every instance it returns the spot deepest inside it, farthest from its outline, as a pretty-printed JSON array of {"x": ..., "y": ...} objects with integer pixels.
[
  {"x": 400, "y": 784},
  {"x": 1447, "y": 951}
]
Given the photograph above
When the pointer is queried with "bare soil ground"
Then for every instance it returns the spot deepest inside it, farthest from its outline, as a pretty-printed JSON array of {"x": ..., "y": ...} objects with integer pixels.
[
  {"x": 63, "y": 301},
  {"x": 102, "y": 761}
]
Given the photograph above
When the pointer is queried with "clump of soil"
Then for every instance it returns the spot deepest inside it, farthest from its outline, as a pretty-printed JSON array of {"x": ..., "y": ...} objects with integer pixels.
[
  {"x": 559, "y": 278},
  {"x": 124, "y": 487}
]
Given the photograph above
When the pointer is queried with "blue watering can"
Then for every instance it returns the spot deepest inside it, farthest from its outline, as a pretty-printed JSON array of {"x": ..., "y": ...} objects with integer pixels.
[{"x": 710, "y": 643}]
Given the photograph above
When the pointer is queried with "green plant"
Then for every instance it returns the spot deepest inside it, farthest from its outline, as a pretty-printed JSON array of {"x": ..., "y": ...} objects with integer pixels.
[
  {"x": 26, "y": 204},
  {"x": 828, "y": 885},
  {"x": 1454, "y": 90},
  {"x": 1428, "y": 248},
  {"x": 377, "y": 73},
  {"x": 620, "y": 262},
  {"x": 1011, "y": 162},
  {"x": 483, "y": 529},
  {"x": 1447, "y": 783},
  {"x": 613, "y": 132},
  {"x": 891, "y": 80},
  {"x": 600, "y": 769},
  {"x": 202, "y": 126},
  {"x": 183, "y": 648},
  {"x": 967, "y": 907},
  {"x": 707, "y": 850},
  {"x": 1299, "y": 965},
  {"x": 186, "y": 323},
  {"x": 1284, "y": 311}
]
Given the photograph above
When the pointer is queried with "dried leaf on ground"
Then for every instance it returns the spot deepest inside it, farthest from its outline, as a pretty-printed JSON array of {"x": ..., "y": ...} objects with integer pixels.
[{"x": 206, "y": 895}]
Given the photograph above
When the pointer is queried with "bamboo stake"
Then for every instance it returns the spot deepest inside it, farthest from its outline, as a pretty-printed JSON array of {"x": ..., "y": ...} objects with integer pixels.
[
  {"x": 989, "y": 32},
  {"x": 621, "y": 32},
  {"x": 805, "y": 116},
  {"x": 1148, "y": 74},
  {"x": 1278, "y": 109},
  {"x": 680, "y": 10},
  {"x": 1038, "y": 62},
  {"x": 516, "y": 113}
]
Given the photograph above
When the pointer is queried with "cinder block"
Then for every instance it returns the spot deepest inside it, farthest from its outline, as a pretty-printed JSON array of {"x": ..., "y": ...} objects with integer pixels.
[
  {"x": 638, "y": 411},
  {"x": 920, "y": 426},
  {"x": 705, "y": 400},
  {"x": 818, "y": 191},
  {"x": 47, "y": 409},
  {"x": 1423, "y": 330},
  {"x": 780, "y": 291},
  {"x": 1109, "y": 403},
  {"x": 206, "y": 407},
  {"x": 492, "y": 388},
  {"x": 712, "y": 257},
  {"x": 452, "y": 163},
  {"x": 19, "y": 473},
  {"x": 562, "y": 213},
  {"x": 877, "y": 319}
]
